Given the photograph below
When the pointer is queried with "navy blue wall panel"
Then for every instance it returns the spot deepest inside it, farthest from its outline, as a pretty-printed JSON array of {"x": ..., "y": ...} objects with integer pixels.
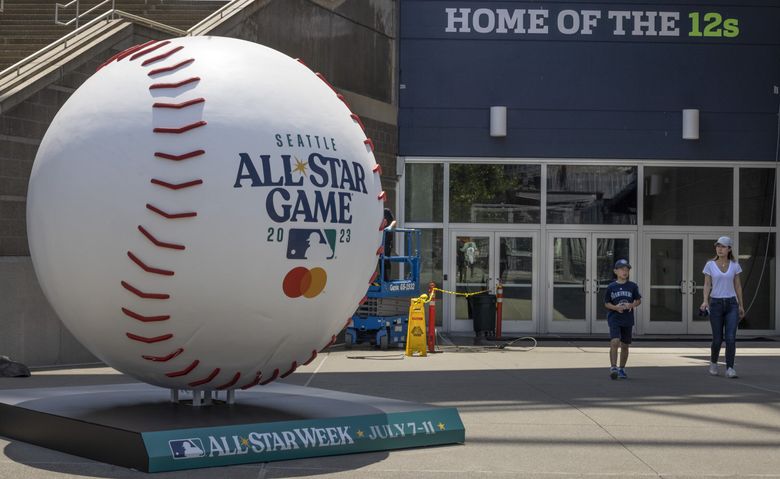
[{"x": 589, "y": 96}]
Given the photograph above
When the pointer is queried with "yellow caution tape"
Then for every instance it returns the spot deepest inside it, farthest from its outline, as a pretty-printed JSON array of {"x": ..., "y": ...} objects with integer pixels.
[{"x": 461, "y": 294}]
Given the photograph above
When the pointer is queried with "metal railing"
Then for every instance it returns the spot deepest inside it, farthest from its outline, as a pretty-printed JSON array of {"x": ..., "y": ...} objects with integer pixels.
[
  {"x": 63, "y": 42},
  {"x": 78, "y": 15},
  {"x": 230, "y": 7},
  {"x": 113, "y": 14}
]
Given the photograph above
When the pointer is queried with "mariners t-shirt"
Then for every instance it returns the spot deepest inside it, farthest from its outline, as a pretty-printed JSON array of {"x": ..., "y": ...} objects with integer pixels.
[{"x": 618, "y": 293}]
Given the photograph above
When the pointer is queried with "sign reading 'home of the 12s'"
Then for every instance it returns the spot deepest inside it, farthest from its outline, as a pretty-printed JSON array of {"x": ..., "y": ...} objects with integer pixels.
[{"x": 619, "y": 23}]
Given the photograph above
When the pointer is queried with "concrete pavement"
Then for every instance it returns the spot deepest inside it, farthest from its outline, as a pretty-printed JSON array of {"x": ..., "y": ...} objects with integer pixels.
[{"x": 548, "y": 413}]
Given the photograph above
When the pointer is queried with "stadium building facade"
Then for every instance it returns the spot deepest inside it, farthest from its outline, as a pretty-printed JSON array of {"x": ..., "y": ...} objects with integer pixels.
[{"x": 540, "y": 142}]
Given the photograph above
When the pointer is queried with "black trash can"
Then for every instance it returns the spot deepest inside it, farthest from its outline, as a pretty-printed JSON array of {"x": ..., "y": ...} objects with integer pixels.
[{"x": 483, "y": 312}]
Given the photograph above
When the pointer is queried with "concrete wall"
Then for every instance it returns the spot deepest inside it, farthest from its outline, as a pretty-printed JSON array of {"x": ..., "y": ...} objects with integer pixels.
[{"x": 352, "y": 42}]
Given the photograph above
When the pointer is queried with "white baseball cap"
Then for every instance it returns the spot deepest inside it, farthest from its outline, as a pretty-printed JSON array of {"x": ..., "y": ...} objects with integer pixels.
[{"x": 725, "y": 241}]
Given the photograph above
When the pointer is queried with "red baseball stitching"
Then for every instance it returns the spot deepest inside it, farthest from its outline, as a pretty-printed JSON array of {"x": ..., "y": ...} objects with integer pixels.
[
  {"x": 254, "y": 382},
  {"x": 344, "y": 100},
  {"x": 293, "y": 367},
  {"x": 171, "y": 68},
  {"x": 184, "y": 156},
  {"x": 176, "y": 374},
  {"x": 322, "y": 77},
  {"x": 370, "y": 144},
  {"x": 127, "y": 51},
  {"x": 377, "y": 169},
  {"x": 273, "y": 377},
  {"x": 161, "y": 56},
  {"x": 157, "y": 86},
  {"x": 158, "y": 242},
  {"x": 171, "y": 216},
  {"x": 373, "y": 277},
  {"x": 164, "y": 358},
  {"x": 149, "y": 50},
  {"x": 181, "y": 129},
  {"x": 145, "y": 319},
  {"x": 359, "y": 121},
  {"x": 146, "y": 340},
  {"x": 382, "y": 196},
  {"x": 181, "y": 105},
  {"x": 330, "y": 343},
  {"x": 147, "y": 268},
  {"x": 231, "y": 382},
  {"x": 176, "y": 186},
  {"x": 141, "y": 294},
  {"x": 205, "y": 380},
  {"x": 313, "y": 355}
]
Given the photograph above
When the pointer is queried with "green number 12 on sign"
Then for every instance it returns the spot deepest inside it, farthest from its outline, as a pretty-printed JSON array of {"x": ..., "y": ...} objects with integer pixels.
[{"x": 714, "y": 25}]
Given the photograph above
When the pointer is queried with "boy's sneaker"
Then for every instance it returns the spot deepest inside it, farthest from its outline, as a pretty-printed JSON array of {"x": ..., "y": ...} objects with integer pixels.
[
  {"x": 622, "y": 374},
  {"x": 714, "y": 369},
  {"x": 731, "y": 374},
  {"x": 613, "y": 373}
]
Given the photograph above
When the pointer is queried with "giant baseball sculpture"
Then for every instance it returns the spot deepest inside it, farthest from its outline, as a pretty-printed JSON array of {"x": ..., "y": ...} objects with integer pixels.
[{"x": 205, "y": 213}]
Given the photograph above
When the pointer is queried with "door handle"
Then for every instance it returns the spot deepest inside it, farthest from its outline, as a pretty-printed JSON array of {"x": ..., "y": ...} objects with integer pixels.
[
  {"x": 693, "y": 287},
  {"x": 596, "y": 287},
  {"x": 585, "y": 285},
  {"x": 682, "y": 287}
]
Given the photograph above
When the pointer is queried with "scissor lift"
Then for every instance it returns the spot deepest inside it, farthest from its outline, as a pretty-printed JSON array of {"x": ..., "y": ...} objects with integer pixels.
[{"x": 382, "y": 320}]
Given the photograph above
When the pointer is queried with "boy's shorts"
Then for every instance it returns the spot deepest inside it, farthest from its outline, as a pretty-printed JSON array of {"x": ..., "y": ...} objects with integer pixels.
[{"x": 618, "y": 331}]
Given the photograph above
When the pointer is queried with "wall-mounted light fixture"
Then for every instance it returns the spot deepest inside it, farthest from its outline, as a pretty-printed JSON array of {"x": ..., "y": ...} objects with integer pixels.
[
  {"x": 690, "y": 124},
  {"x": 497, "y": 121}
]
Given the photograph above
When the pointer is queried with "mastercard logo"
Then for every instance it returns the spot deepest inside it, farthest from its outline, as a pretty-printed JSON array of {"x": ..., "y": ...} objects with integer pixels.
[{"x": 304, "y": 282}]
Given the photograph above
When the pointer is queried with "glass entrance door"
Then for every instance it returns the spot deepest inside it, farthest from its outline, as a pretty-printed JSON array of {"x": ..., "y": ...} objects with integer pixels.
[
  {"x": 676, "y": 283},
  {"x": 473, "y": 271},
  {"x": 580, "y": 268},
  {"x": 517, "y": 265},
  {"x": 481, "y": 261}
]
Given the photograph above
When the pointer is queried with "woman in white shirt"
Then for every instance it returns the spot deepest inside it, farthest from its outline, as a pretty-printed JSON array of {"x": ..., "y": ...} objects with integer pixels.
[{"x": 723, "y": 300}]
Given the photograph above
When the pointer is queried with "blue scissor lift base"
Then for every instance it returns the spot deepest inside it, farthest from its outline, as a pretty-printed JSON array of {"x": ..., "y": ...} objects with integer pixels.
[{"x": 388, "y": 330}]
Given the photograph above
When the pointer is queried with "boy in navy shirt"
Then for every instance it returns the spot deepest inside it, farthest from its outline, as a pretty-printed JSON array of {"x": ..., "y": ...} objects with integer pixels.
[{"x": 621, "y": 298}]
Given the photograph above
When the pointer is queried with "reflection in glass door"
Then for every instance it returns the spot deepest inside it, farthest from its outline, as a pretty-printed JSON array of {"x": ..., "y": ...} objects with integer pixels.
[
  {"x": 676, "y": 283},
  {"x": 581, "y": 267},
  {"x": 516, "y": 267},
  {"x": 473, "y": 272},
  {"x": 481, "y": 260}
]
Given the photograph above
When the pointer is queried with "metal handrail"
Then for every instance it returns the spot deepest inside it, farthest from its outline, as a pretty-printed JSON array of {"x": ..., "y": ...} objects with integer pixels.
[
  {"x": 78, "y": 15},
  {"x": 229, "y": 7},
  {"x": 109, "y": 15}
]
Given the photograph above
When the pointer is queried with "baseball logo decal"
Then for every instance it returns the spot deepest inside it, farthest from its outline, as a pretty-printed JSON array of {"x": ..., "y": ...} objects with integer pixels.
[{"x": 205, "y": 213}]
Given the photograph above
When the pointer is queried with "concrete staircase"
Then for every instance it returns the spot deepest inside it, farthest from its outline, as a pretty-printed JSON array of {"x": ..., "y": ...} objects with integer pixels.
[{"x": 26, "y": 26}]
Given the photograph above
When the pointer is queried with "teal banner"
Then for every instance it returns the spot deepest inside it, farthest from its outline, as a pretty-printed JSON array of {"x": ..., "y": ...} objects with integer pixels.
[{"x": 278, "y": 441}]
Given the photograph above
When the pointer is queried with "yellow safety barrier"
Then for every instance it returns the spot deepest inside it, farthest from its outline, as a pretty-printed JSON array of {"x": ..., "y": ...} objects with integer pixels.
[{"x": 416, "y": 341}]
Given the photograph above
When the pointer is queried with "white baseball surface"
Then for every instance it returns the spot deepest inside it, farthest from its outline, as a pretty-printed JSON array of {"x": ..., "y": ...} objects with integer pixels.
[{"x": 205, "y": 213}]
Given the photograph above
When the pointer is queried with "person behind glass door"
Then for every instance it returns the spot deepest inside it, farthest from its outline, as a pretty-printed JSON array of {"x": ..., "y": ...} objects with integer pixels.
[{"x": 723, "y": 302}]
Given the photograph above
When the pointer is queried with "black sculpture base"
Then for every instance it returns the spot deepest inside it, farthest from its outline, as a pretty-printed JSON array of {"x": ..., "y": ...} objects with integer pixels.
[{"x": 137, "y": 426}]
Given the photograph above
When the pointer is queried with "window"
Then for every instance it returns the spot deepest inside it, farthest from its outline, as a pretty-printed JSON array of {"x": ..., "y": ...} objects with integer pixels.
[
  {"x": 583, "y": 194},
  {"x": 424, "y": 192},
  {"x": 486, "y": 193},
  {"x": 756, "y": 188},
  {"x": 688, "y": 196}
]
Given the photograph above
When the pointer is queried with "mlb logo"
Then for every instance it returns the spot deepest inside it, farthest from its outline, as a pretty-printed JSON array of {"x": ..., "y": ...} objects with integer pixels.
[
  {"x": 186, "y": 448},
  {"x": 311, "y": 244}
]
